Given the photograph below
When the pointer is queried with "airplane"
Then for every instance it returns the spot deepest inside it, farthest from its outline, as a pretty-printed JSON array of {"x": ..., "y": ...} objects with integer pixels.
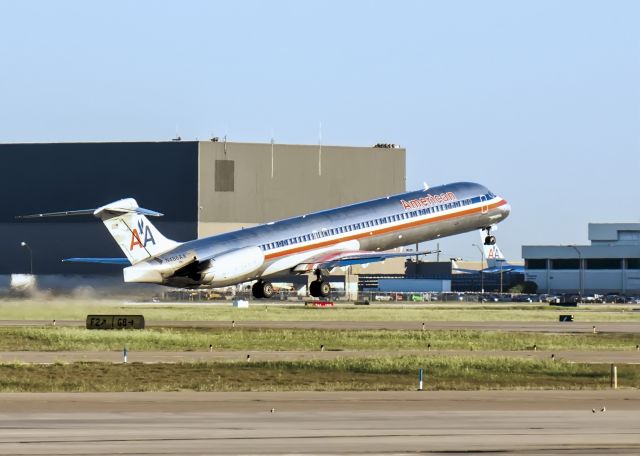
[
  {"x": 496, "y": 262},
  {"x": 312, "y": 243}
]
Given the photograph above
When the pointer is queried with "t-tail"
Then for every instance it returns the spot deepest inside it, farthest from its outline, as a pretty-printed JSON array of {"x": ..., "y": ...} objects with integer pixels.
[
  {"x": 129, "y": 226},
  {"x": 132, "y": 230}
]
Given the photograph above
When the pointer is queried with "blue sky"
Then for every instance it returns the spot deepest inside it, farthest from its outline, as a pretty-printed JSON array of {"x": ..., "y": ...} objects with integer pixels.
[{"x": 538, "y": 100}]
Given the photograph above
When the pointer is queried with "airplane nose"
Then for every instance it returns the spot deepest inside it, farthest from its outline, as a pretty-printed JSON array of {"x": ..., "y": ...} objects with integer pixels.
[{"x": 506, "y": 209}]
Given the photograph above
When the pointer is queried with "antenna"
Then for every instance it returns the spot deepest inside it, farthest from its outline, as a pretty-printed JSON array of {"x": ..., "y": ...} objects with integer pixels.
[
  {"x": 225, "y": 139},
  {"x": 272, "y": 153},
  {"x": 320, "y": 150}
]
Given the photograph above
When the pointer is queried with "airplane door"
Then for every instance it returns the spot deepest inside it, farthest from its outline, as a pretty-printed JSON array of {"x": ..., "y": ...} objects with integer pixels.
[{"x": 485, "y": 206}]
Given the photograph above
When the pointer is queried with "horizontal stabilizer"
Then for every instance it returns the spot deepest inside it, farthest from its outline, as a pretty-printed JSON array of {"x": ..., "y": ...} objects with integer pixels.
[
  {"x": 57, "y": 214},
  {"x": 120, "y": 261},
  {"x": 123, "y": 206}
]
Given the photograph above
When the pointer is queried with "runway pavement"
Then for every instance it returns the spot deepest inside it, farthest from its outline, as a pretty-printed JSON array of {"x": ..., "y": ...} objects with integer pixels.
[
  {"x": 185, "y": 423},
  {"x": 48, "y": 357},
  {"x": 510, "y": 326}
]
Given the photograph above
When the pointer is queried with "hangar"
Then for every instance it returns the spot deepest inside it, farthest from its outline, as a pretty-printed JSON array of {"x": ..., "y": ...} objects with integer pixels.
[
  {"x": 202, "y": 187},
  {"x": 611, "y": 264}
]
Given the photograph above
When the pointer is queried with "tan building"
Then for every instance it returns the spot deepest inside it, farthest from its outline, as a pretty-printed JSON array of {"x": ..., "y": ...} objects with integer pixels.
[
  {"x": 202, "y": 187},
  {"x": 241, "y": 184}
]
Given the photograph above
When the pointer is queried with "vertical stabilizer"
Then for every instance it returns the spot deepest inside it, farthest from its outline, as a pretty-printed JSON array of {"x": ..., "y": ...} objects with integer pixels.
[
  {"x": 132, "y": 231},
  {"x": 493, "y": 255}
]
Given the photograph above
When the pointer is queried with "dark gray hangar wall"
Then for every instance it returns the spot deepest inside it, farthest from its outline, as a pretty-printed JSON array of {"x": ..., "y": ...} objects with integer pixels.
[{"x": 54, "y": 177}]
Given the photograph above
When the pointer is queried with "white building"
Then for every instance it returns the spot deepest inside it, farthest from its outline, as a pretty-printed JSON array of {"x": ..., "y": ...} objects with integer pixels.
[{"x": 611, "y": 264}]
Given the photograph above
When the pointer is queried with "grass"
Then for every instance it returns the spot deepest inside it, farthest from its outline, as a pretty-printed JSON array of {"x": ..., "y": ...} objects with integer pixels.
[
  {"x": 371, "y": 374},
  {"x": 158, "y": 339},
  {"x": 77, "y": 309}
]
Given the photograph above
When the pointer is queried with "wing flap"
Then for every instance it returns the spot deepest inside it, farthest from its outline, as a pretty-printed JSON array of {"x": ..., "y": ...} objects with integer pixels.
[{"x": 349, "y": 258}]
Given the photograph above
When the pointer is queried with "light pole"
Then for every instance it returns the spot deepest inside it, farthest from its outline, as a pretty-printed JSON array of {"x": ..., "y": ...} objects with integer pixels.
[
  {"x": 581, "y": 286},
  {"x": 481, "y": 267},
  {"x": 501, "y": 261},
  {"x": 24, "y": 244}
]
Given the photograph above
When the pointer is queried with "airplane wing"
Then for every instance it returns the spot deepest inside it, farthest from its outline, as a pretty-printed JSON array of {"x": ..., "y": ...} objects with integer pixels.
[
  {"x": 505, "y": 268},
  {"x": 121, "y": 261},
  {"x": 494, "y": 270},
  {"x": 330, "y": 260}
]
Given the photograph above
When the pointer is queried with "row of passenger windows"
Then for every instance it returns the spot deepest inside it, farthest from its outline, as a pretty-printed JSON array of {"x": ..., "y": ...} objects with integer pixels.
[{"x": 372, "y": 223}]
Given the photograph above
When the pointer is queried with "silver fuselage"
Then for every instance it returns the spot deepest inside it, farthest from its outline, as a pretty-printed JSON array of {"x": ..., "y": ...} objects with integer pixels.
[{"x": 376, "y": 225}]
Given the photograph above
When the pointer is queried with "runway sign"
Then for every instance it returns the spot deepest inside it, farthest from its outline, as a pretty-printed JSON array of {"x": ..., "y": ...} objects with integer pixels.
[
  {"x": 115, "y": 321},
  {"x": 318, "y": 303}
]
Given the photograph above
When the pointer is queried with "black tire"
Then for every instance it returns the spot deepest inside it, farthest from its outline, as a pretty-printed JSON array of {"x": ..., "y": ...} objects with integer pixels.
[
  {"x": 324, "y": 289},
  {"x": 490, "y": 240},
  {"x": 314, "y": 289},
  {"x": 256, "y": 290},
  {"x": 267, "y": 290}
]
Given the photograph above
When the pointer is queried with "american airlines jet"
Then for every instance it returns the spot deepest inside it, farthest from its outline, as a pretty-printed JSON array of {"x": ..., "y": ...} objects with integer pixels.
[
  {"x": 496, "y": 262},
  {"x": 312, "y": 243}
]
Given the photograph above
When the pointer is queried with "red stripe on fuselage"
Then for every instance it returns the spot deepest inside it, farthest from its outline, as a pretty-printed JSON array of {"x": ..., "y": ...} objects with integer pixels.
[{"x": 389, "y": 229}]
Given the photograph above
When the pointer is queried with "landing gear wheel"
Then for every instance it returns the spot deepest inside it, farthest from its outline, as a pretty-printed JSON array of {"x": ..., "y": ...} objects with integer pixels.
[
  {"x": 319, "y": 289},
  {"x": 324, "y": 289},
  {"x": 256, "y": 290},
  {"x": 262, "y": 289},
  {"x": 490, "y": 240},
  {"x": 267, "y": 290},
  {"x": 314, "y": 288}
]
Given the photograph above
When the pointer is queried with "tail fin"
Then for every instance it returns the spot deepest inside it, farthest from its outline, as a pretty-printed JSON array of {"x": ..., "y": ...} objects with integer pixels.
[
  {"x": 493, "y": 255},
  {"x": 132, "y": 231}
]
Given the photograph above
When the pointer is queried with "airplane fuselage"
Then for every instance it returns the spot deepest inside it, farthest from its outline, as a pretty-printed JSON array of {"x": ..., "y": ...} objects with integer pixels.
[{"x": 377, "y": 225}]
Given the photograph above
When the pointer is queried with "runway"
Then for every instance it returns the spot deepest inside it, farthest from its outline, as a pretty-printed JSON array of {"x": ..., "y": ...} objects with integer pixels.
[
  {"x": 509, "y": 326},
  {"x": 187, "y": 423},
  {"x": 49, "y": 357},
  {"x": 530, "y": 422}
]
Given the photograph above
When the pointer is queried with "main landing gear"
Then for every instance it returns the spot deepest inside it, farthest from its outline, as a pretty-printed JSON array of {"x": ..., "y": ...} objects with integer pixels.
[
  {"x": 489, "y": 239},
  {"x": 319, "y": 288},
  {"x": 262, "y": 289}
]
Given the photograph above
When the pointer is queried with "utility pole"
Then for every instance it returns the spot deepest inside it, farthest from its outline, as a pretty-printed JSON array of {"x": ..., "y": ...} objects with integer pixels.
[{"x": 481, "y": 267}]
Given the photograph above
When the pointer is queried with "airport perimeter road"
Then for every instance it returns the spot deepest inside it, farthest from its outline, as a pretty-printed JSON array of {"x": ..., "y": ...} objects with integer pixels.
[
  {"x": 504, "y": 422},
  {"x": 48, "y": 357},
  {"x": 510, "y": 326}
]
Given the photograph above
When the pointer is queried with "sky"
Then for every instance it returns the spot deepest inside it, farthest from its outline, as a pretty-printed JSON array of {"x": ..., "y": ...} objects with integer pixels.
[{"x": 537, "y": 100}]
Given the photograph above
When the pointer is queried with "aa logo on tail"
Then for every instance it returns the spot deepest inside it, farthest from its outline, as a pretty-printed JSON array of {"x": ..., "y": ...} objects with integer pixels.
[{"x": 136, "y": 235}]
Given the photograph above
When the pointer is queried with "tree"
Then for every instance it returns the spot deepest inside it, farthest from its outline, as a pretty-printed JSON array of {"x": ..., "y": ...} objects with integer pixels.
[{"x": 527, "y": 287}]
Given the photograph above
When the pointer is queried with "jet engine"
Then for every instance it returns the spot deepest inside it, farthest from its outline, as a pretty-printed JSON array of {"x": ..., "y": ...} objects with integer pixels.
[{"x": 230, "y": 266}]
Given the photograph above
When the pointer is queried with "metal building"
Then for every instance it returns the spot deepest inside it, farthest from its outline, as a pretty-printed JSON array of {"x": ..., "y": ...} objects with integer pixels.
[
  {"x": 202, "y": 187},
  {"x": 611, "y": 264}
]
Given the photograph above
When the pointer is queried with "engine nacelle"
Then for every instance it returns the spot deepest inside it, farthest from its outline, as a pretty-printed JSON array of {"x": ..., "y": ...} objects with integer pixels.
[{"x": 237, "y": 264}]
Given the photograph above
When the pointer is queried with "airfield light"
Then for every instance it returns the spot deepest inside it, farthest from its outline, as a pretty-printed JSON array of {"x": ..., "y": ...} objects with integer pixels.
[{"x": 24, "y": 244}]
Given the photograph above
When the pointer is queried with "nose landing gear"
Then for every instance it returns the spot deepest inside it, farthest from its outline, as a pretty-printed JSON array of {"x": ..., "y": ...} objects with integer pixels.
[{"x": 489, "y": 239}]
